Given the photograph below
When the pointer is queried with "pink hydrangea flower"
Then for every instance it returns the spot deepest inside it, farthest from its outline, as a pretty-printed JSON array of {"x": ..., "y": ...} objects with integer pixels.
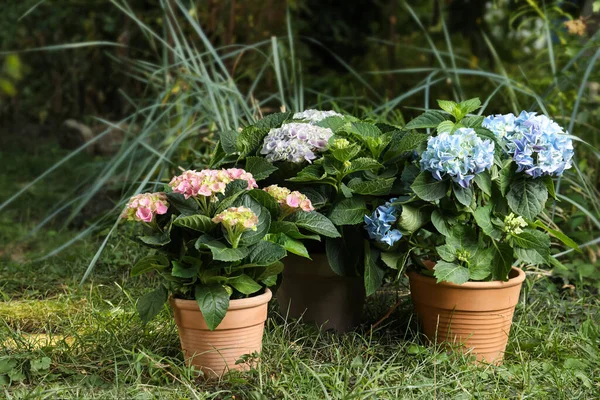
[
  {"x": 145, "y": 206},
  {"x": 290, "y": 201},
  {"x": 237, "y": 217},
  {"x": 208, "y": 182}
]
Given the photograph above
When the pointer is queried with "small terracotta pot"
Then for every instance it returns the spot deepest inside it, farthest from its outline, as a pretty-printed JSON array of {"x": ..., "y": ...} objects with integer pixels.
[
  {"x": 476, "y": 315},
  {"x": 312, "y": 291},
  {"x": 240, "y": 332}
]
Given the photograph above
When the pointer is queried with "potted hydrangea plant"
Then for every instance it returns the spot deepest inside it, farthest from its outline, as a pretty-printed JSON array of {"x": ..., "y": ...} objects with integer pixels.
[
  {"x": 342, "y": 165},
  {"x": 209, "y": 236},
  {"x": 483, "y": 183}
]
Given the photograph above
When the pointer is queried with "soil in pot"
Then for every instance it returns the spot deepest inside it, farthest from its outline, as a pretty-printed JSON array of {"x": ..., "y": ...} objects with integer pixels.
[
  {"x": 477, "y": 316},
  {"x": 240, "y": 332},
  {"x": 312, "y": 291}
]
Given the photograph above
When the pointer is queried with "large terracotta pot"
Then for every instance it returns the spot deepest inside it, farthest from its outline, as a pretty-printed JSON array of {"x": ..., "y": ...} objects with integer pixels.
[
  {"x": 312, "y": 291},
  {"x": 476, "y": 315},
  {"x": 240, "y": 332}
]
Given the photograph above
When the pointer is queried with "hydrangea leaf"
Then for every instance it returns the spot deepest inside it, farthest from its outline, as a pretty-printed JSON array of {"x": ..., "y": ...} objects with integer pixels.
[
  {"x": 429, "y": 189},
  {"x": 411, "y": 219},
  {"x": 150, "y": 304},
  {"x": 446, "y": 252},
  {"x": 244, "y": 284},
  {"x": 377, "y": 187},
  {"x": 463, "y": 195},
  {"x": 197, "y": 222},
  {"x": 291, "y": 245},
  {"x": 264, "y": 253},
  {"x": 429, "y": 119},
  {"x": 484, "y": 182},
  {"x": 445, "y": 126},
  {"x": 348, "y": 211},
  {"x": 213, "y": 301},
  {"x": 440, "y": 223},
  {"x": 527, "y": 197},
  {"x": 259, "y": 167},
  {"x": 373, "y": 275},
  {"x": 483, "y": 218},
  {"x": 502, "y": 261},
  {"x": 315, "y": 222},
  {"x": 273, "y": 120},
  {"x": 449, "y": 272},
  {"x": 290, "y": 229}
]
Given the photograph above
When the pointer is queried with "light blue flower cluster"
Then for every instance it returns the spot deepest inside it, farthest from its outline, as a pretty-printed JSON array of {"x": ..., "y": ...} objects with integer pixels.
[
  {"x": 295, "y": 142},
  {"x": 461, "y": 155},
  {"x": 379, "y": 224},
  {"x": 315, "y": 115},
  {"x": 536, "y": 143}
]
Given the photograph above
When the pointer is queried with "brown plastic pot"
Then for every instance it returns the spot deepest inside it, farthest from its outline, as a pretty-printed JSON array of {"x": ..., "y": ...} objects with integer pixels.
[
  {"x": 475, "y": 315},
  {"x": 240, "y": 332},
  {"x": 312, "y": 291}
]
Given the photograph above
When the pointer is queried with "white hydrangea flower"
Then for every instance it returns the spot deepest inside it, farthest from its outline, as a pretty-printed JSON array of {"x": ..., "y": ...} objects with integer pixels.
[
  {"x": 295, "y": 142},
  {"x": 315, "y": 115}
]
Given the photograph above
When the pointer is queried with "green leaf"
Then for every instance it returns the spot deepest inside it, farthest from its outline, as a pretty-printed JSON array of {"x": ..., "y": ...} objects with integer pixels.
[
  {"x": 181, "y": 270},
  {"x": 376, "y": 187},
  {"x": 334, "y": 123},
  {"x": 480, "y": 266},
  {"x": 290, "y": 229},
  {"x": 502, "y": 261},
  {"x": 345, "y": 190},
  {"x": 427, "y": 188},
  {"x": 549, "y": 182},
  {"x": 364, "y": 130},
  {"x": 473, "y": 122},
  {"x": 484, "y": 182},
  {"x": 40, "y": 364},
  {"x": 150, "y": 304},
  {"x": 446, "y": 252},
  {"x": 527, "y": 197},
  {"x": 483, "y": 218},
  {"x": 213, "y": 301},
  {"x": 445, "y": 126},
  {"x": 450, "y": 272},
  {"x": 273, "y": 120},
  {"x": 244, "y": 284},
  {"x": 197, "y": 222},
  {"x": 259, "y": 167},
  {"x": 265, "y": 253},
  {"x": 532, "y": 239},
  {"x": 315, "y": 222},
  {"x": 349, "y": 212},
  {"x": 440, "y": 223},
  {"x": 344, "y": 254},
  {"x": 183, "y": 205},
  {"x": 392, "y": 259},
  {"x": 250, "y": 139},
  {"x": 251, "y": 237},
  {"x": 291, "y": 245},
  {"x": 429, "y": 119},
  {"x": 271, "y": 271},
  {"x": 463, "y": 195},
  {"x": 229, "y": 141},
  {"x": 411, "y": 219},
  {"x": 221, "y": 252},
  {"x": 449, "y": 106},
  {"x": 346, "y": 153},
  {"x": 373, "y": 274},
  {"x": 149, "y": 263},
  {"x": 505, "y": 176},
  {"x": 364, "y": 164},
  {"x": 157, "y": 240},
  {"x": 266, "y": 200},
  {"x": 408, "y": 142},
  {"x": 468, "y": 106},
  {"x": 529, "y": 256}
]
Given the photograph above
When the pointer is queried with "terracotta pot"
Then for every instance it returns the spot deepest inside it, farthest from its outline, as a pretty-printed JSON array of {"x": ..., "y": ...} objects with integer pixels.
[
  {"x": 476, "y": 315},
  {"x": 312, "y": 291},
  {"x": 240, "y": 332}
]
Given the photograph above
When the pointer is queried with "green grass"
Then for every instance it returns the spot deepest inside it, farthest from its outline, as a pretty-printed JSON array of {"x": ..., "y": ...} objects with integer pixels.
[{"x": 62, "y": 340}]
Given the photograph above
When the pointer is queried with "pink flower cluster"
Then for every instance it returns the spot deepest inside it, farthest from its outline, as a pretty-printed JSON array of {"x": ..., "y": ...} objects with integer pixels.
[
  {"x": 292, "y": 201},
  {"x": 237, "y": 217},
  {"x": 209, "y": 182},
  {"x": 143, "y": 207}
]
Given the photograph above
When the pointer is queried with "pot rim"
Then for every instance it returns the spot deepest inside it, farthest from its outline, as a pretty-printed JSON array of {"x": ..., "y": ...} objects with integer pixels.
[
  {"x": 238, "y": 304},
  {"x": 514, "y": 281}
]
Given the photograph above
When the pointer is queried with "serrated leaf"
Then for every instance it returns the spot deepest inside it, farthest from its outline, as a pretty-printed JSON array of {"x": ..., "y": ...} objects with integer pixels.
[
  {"x": 410, "y": 141},
  {"x": 468, "y": 106},
  {"x": 259, "y": 167},
  {"x": 527, "y": 197},
  {"x": 483, "y": 218},
  {"x": 346, "y": 153},
  {"x": 250, "y": 139},
  {"x": 229, "y": 141},
  {"x": 266, "y": 200},
  {"x": 440, "y": 223},
  {"x": 265, "y": 253},
  {"x": 251, "y": 237},
  {"x": 244, "y": 284},
  {"x": 290, "y": 229},
  {"x": 150, "y": 304},
  {"x": 445, "y": 126},
  {"x": 480, "y": 265},
  {"x": 365, "y": 130},
  {"x": 391, "y": 259},
  {"x": 181, "y": 270},
  {"x": 213, "y": 301},
  {"x": 149, "y": 263},
  {"x": 221, "y": 252},
  {"x": 315, "y": 222},
  {"x": 157, "y": 240},
  {"x": 463, "y": 195},
  {"x": 529, "y": 256},
  {"x": 197, "y": 222},
  {"x": 505, "y": 176},
  {"x": 532, "y": 239},
  {"x": 449, "y": 106},
  {"x": 427, "y": 188},
  {"x": 273, "y": 120},
  {"x": 446, "y": 252},
  {"x": 502, "y": 261},
  {"x": 364, "y": 164},
  {"x": 411, "y": 219},
  {"x": 334, "y": 123},
  {"x": 183, "y": 205},
  {"x": 483, "y": 180},
  {"x": 293, "y": 246},
  {"x": 348, "y": 211},
  {"x": 429, "y": 119},
  {"x": 473, "y": 122},
  {"x": 376, "y": 187},
  {"x": 450, "y": 272}
]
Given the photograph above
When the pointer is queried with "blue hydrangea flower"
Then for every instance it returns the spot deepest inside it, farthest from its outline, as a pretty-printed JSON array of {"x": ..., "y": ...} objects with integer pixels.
[
  {"x": 295, "y": 142},
  {"x": 314, "y": 116},
  {"x": 461, "y": 155},
  {"x": 379, "y": 224},
  {"x": 536, "y": 143}
]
